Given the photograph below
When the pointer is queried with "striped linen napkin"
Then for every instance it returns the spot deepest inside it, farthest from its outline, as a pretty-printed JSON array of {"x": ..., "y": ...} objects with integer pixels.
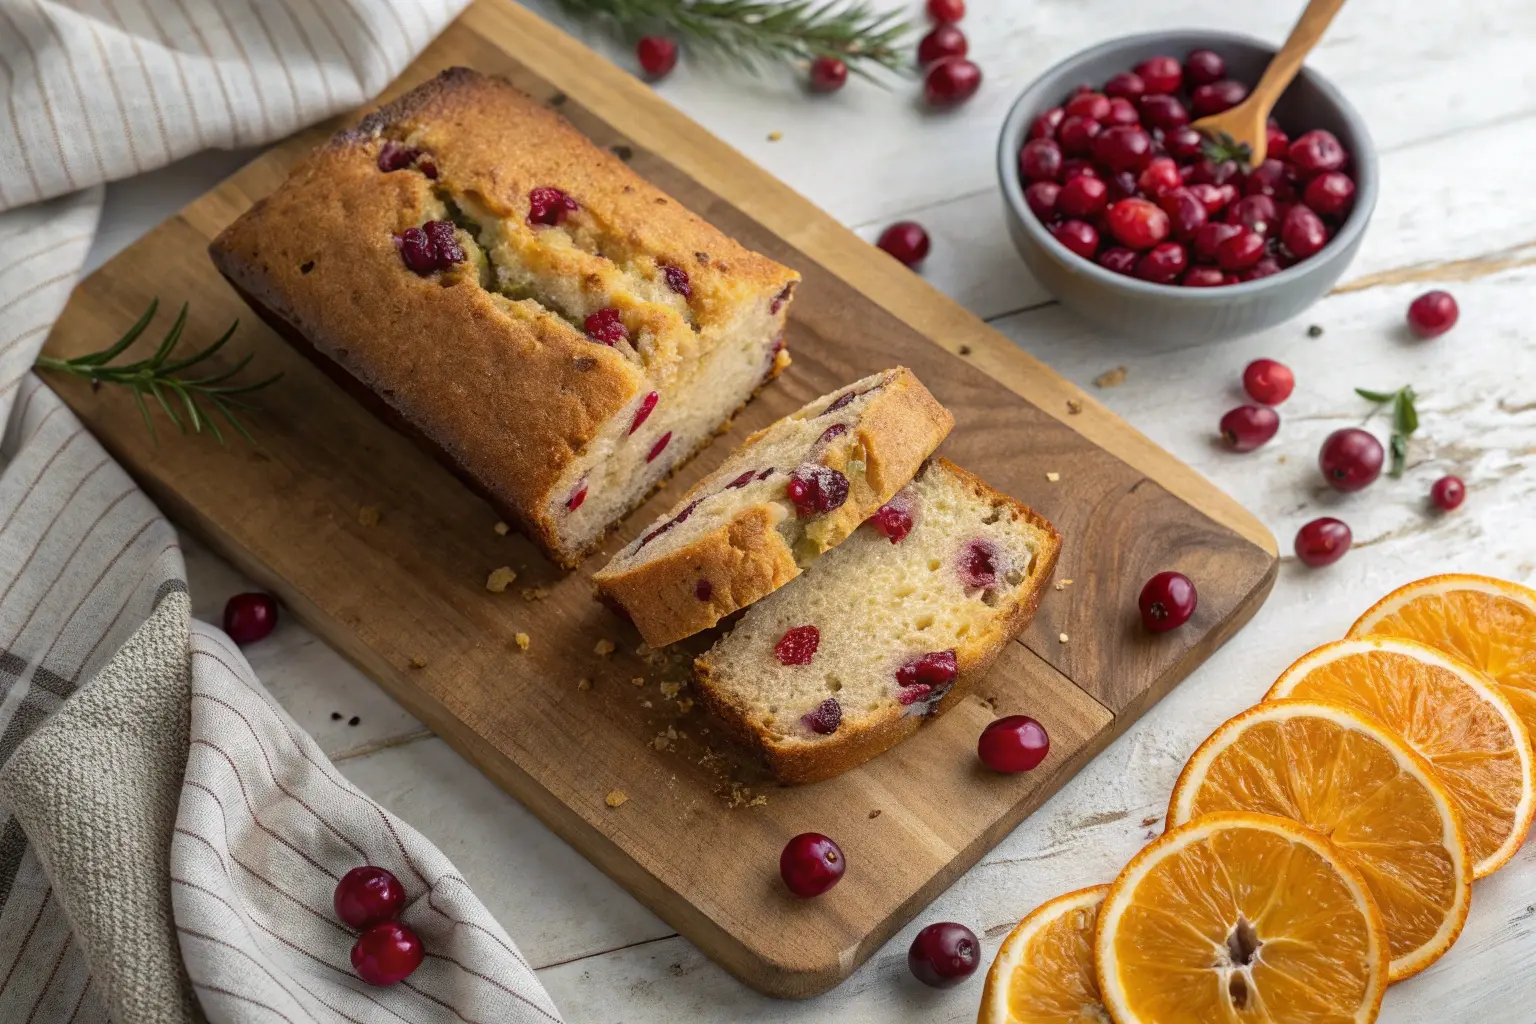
[{"x": 169, "y": 838}]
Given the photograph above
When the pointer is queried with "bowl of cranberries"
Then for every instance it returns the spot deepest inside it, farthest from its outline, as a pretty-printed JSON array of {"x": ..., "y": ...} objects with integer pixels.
[{"x": 1156, "y": 232}]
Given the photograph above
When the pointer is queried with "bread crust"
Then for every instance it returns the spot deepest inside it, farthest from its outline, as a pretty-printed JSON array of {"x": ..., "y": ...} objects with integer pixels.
[
  {"x": 745, "y": 558},
  {"x": 796, "y": 760}
]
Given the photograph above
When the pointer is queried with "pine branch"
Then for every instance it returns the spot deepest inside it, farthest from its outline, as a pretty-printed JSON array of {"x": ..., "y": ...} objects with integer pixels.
[
  {"x": 756, "y": 33},
  {"x": 160, "y": 378}
]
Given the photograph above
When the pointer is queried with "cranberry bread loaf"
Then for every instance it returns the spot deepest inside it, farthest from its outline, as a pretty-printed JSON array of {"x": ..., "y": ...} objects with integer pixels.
[
  {"x": 558, "y": 331},
  {"x": 889, "y": 630},
  {"x": 790, "y": 492}
]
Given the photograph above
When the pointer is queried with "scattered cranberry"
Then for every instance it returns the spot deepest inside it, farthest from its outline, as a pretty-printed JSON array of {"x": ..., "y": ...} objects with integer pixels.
[
  {"x": 1331, "y": 193},
  {"x": 367, "y": 895},
  {"x": 1322, "y": 542},
  {"x": 892, "y": 521},
  {"x": 1448, "y": 493},
  {"x": 1432, "y": 314},
  {"x": 1215, "y": 97},
  {"x": 826, "y": 718},
  {"x": 1202, "y": 67},
  {"x": 1044, "y": 126},
  {"x": 816, "y": 489},
  {"x": 1017, "y": 743},
  {"x": 659, "y": 447},
  {"x": 1204, "y": 277},
  {"x": 606, "y": 326},
  {"x": 250, "y": 617},
  {"x": 1163, "y": 263},
  {"x": 643, "y": 413},
  {"x": 943, "y": 955},
  {"x": 1160, "y": 175},
  {"x": 703, "y": 590},
  {"x": 1240, "y": 251},
  {"x": 1083, "y": 198},
  {"x": 1249, "y": 426},
  {"x": 1161, "y": 74},
  {"x": 944, "y": 41},
  {"x": 549, "y": 206},
  {"x": 1350, "y": 459},
  {"x": 811, "y": 864},
  {"x": 657, "y": 55},
  {"x": 386, "y": 953},
  {"x": 1316, "y": 152},
  {"x": 1167, "y": 601},
  {"x": 1042, "y": 197},
  {"x": 1268, "y": 382},
  {"x": 1076, "y": 135},
  {"x": 1303, "y": 232},
  {"x": 1137, "y": 224},
  {"x": 798, "y": 645},
  {"x": 906, "y": 240},
  {"x": 828, "y": 74},
  {"x": 951, "y": 82},
  {"x": 1040, "y": 160},
  {"x": 946, "y": 10},
  {"x": 1119, "y": 259},
  {"x": 1079, "y": 236},
  {"x": 1123, "y": 148},
  {"x": 1127, "y": 85},
  {"x": 577, "y": 497},
  {"x": 1164, "y": 112}
]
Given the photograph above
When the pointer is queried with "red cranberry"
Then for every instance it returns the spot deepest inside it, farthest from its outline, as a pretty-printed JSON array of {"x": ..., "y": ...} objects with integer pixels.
[
  {"x": 892, "y": 521},
  {"x": 944, "y": 41},
  {"x": 1270, "y": 178},
  {"x": 1044, "y": 126},
  {"x": 657, "y": 55},
  {"x": 946, "y": 10},
  {"x": 1303, "y": 232},
  {"x": 677, "y": 280},
  {"x": 1215, "y": 97},
  {"x": 1042, "y": 197},
  {"x": 250, "y": 617},
  {"x": 1162, "y": 263},
  {"x": 742, "y": 480},
  {"x": 1448, "y": 493},
  {"x": 1167, "y": 601},
  {"x": 1076, "y": 135},
  {"x": 1137, "y": 223},
  {"x": 1350, "y": 459},
  {"x": 826, "y": 718},
  {"x": 842, "y": 401},
  {"x": 1210, "y": 238},
  {"x": 1092, "y": 105},
  {"x": 1240, "y": 251},
  {"x": 549, "y": 206},
  {"x": 606, "y": 326},
  {"x": 1160, "y": 175},
  {"x": 659, "y": 447},
  {"x": 416, "y": 251},
  {"x": 828, "y": 74},
  {"x": 1268, "y": 382},
  {"x": 811, "y": 864},
  {"x": 1249, "y": 426},
  {"x": 1040, "y": 160},
  {"x": 1316, "y": 152},
  {"x": 951, "y": 82},
  {"x": 1017, "y": 743},
  {"x": 920, "y": 677},
  {"x": 1123, "y": 148},
  {"x": 1077, "y": 167},
  {"x": 943, "y": 955},
  {"x": 978, "y": 564},
  {"x": 1330, "y": 193},
  {"x": 703, "y": 590},
  {"x": 1256, "y": 213},
  {"x": 1322, "y": 542},
  {"x": 1203, "y": 277},
  {"x": 647, "y": 404},
  {"x": 1127, "y": 85},
  {"x": 578, "y": 496},
  {"x": 1184, "y": 143},
  {"x": 1122, "y": 185},
  {"x": 1202, "y": 67},
  {"x": 396, "y": 156},
  {"x": 1277, "y": 144},
  {"x": 1214, "y": 198},
  {"x": 1161, "y": 74},
  {"x": 1165, "y": 112},
  {"x": 1432, "y": 314},
  {"x": 798, "y": 645},
  {"x": 906, "y": 240},
  {"x": 1122, "y": 111},
  {"x": 1119, "y": 259},
  {"x": 1078, "y": 236},
  {"x": 1225, "y": 173},
  {"x": 367, "y": 895},
  {"x": 386, "y": 953},
  {"x": 816, "y": 489},
  {"x": 1083, "y": 198},
  {"x": 1264, "y": 268}
]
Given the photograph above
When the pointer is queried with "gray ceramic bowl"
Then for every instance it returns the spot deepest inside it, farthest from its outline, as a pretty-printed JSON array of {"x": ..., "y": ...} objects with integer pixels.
[{"x": 1132, "y": 308}]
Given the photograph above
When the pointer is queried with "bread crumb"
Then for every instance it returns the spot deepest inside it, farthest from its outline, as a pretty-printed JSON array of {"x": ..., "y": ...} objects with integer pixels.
[
  {"x": 500, "y": 579},
  {"x": 775, "y": 136},
  {"x": 660, "y": 742},
  {"x": 758, "y": 801},
  {"x": 1111, "y": 378},
  {"x": 522, "y": 640},
  {"x": 368, "y": 515},
  {"x": 645, "y": 703},
  {"x": 617, "y": 798},
  {"x": 965, "y": 350},
  {"x": 874, "y": 814},
  {"x": 534, "y": 593},
  {"x": 583, "y": 683},
  {"x": 418, "y": 663},
  {"x": 1074, "y": 406},
  {"x": 1063, "y": 638},
  {"x": 604, "y": 647},
  {"x": 1063, "y": 584},
  {"x": 670, "y": 689},
  {"x": 502, "y": 529},
  {"x": 1053, "y": 477},
  {"x": 685, "y": 705},
  {"x": 638, "y": 681}
]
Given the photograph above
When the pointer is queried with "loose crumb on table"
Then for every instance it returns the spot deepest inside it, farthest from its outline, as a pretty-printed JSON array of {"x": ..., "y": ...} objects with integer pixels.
[
  {"x": 617, "y": 798},
  {"x": 501, "y": 529},
  {"x": 1111, "y": 378},
  {"x": 604, "y": 647},
  {"x": 368, "y": 515},
  {"x": 500, "y": 579},
  {"x": 522, "y": 640}
]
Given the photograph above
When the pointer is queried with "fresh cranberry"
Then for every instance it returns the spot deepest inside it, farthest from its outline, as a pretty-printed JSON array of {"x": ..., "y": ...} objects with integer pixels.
[
  {"x": 1044, "y": 126},
  {"x": 1184, "y": 143},
  {"x": 1078, "y": 167},
  {"x": 944, "y": 41},
  {"x": 1042, "y": 197},
  {"x": 1017, "y": 743},
  {"x": 1203, "y": 277},
  {"x": 1215, "y": 97},
  {"x": 946, "y": 10},
  {"x": 1083, "y": 198},
  {"x": 1241, "y": 250},
  {"x": 250, "y": 617},
  {"x": 703, "y": 590},
  {"x": 1217, "y": 172},
  {"x": 659, "y": 447},
  {"x": 1076, "y": 135},
  {"x": 1161, "y": 74},
  {"x": 935, "y": 670},
  {"x": 578, "y": 496},
  {"x": 1119, "y": 259},
  {"x": 1078, "y": 236},
  {"x": 1277, "y": 144},
  {"x": 811, "y": 864},
  {"x": 396, "y": 156},
  {"x": 1264, "y": 268},
  {"x": 1316, "y": 152},
  {"x": 1202, "y": 67},
  {"x": 386, "y": 953},
  {"x": 906, "y": 240},
  {"x": 1268, "y": 382},
  {"x": 1270, "y": 178},
  {"x": 647, "y": 404},
  {"x": 951, "y": 82},
  {"x": 1123, "y": 148},
  {"x": 1164, "y": 112},
  {"x": 657, "y": 56},
  {"x": 1160, "y": 175},
  {"x": 1122, "y": 185},
  {"x": 1249, "y": 426},
  {"x": 1303, "y": 232},
  {"x": 1094, "y": 105},
  {"x": 1432, "y": 314},
  {"x": 1127, "y": 85},
  {"x": 825, "y": 719},
  {"x": 1330, "y": 193},
  {"x": 1122, "y": 111},
  {"x": 829, "y": 74},
  {"x": 943, "y": 955},
  {"x": 1214, "y": 198},
  {"x": 1210, "y": 238},
  {"x": 1167, "y": 601},
  {"x": 606, "y": 326},
  {"x": 1350, "y": 459},
  {"x": 1040, "y": 160},
  {"x": 816, "y": 489},
  {"x": 892, "y": 521},
  {"x": 1256, "y": 213},
  {"x": 798, "y": 645},
  {"x": 1137, "y": 223},
  {"x": 977, "y": 564},
  {"x": 549, "y": 206},
  {"x": 1163, "y": 263},
  {"x": 367, "y": 895},
  {"x": 1322, "y": 542},
  {"x": 1448, "y": 493}
]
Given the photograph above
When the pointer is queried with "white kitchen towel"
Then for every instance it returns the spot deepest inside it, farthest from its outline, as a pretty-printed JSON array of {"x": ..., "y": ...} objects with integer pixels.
[{"x": 140, "y": 882}]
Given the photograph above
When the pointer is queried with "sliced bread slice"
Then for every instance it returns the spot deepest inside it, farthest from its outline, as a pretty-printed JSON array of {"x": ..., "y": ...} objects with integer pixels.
[
  {"x": 885, "y": 632},
  {"x": 792, "y": 491}
]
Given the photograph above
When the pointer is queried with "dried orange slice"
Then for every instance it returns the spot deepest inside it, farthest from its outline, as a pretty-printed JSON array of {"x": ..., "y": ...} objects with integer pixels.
[
  {"x": 1043, "y": 973},
  {"x": 1486, "y": 622},
  {"x": 1446, "y": 710},
  {"x": 1345, "y": 775},
  {"x": 1241, "y": 917}
]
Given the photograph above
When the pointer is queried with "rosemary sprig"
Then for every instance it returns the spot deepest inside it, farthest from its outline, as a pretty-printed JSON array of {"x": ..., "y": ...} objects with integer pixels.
[
  {"x": 755, "y": 33},
  {"x": 1221, "y": 146},
  {"x": 1405, "y": 420},
  {"x": 160, "y": 377}
]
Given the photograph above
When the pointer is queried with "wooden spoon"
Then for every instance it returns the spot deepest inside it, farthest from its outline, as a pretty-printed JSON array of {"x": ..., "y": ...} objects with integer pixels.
[{"x": 1247, "y": 123}]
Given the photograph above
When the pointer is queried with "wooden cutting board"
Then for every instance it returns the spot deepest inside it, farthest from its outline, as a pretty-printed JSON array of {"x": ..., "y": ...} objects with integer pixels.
[{"x": 699, "y": 836}]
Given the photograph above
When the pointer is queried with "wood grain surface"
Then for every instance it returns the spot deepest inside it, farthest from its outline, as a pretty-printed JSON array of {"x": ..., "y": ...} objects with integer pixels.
[{"x": 698, "y": 838}]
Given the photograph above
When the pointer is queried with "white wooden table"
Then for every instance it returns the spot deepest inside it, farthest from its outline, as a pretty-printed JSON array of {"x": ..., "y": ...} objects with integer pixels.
[{"x": 1450, "y": 93}]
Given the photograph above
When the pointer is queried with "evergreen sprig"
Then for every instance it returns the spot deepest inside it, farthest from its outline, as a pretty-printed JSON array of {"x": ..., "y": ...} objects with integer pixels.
[
  {"x": 160, "y": 377},
  {"x": 756, "y": 33}
]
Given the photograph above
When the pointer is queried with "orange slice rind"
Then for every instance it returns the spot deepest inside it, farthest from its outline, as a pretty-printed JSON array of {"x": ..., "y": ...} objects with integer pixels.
[{"x": 1043, "y": 973}]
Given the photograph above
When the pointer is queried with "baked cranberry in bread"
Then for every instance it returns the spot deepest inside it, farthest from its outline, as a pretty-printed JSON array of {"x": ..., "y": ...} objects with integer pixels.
[
  {"x": 893, "y": 627},
  {"x": 792, "y": 491},
  {"x": 557, "y": 330}
]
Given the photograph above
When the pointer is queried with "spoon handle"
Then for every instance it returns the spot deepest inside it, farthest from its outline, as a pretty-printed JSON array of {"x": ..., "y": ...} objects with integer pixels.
[{"x": 1309, "y": 29}]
